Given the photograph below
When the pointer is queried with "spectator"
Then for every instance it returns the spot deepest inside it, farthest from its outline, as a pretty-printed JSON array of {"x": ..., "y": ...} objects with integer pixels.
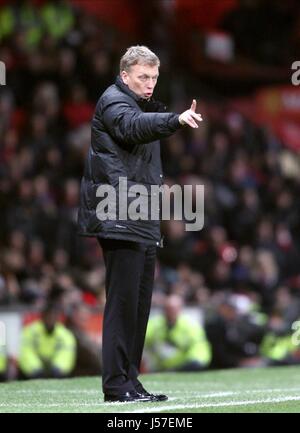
[
  {"x": 234, "y": 333},
  {"x": 58, "y": 18},
  {"x": 278, "y": 346},
  {"x": 174, "y": 342},
  {"x": 88, "y": 353},
  {"x": 48, "y": 349}
]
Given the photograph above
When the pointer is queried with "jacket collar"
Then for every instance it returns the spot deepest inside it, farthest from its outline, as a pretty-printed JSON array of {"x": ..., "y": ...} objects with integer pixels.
[{"x": 147, "y": 105}]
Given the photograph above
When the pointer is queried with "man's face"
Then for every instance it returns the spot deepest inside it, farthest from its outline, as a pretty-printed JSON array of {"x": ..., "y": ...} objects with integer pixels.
[
  {"x": 50, "y": 318},
  {"x": 141, "y": 79}
]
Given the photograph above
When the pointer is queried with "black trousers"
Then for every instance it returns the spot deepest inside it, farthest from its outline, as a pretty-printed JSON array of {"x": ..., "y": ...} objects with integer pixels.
[{"x": 129, "y": 281}]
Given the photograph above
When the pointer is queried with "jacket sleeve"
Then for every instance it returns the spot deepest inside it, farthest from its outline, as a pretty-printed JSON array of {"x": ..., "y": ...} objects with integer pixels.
[
  {"x": 64, "y": 358},
  {"x": 130, "y": 126},
  {"x": 29, "y": 360}
]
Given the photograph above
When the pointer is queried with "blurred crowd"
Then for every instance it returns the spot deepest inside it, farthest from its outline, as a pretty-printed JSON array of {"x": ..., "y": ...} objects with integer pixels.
[{"x": 241, "y": 271}]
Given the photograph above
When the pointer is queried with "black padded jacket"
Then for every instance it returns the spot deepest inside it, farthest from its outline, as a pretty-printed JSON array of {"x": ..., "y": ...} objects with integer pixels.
[{"x": 126, "y": 130}]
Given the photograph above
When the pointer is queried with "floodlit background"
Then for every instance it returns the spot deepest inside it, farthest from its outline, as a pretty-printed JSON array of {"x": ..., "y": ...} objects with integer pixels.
[{"x": 239, "y": 277}]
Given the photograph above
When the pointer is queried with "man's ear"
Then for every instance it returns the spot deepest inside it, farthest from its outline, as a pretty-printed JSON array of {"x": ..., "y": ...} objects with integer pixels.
[{"x": 124, "y": 77}]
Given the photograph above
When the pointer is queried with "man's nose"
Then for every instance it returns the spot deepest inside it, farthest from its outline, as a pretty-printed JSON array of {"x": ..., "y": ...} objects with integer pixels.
[{"x": 150, "y": 84}]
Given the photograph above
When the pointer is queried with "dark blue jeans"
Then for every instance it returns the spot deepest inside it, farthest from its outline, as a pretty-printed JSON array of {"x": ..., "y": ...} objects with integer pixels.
[{"x": 129, "y": 281}]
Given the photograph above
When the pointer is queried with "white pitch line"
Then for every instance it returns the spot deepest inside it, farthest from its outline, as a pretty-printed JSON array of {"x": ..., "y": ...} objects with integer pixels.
[
  {"x": 54, "y": 391},
  {"x": 165, "y": 407},
  {"x": 184, "y": 393},
  {"x": 156, "y": 408},
  {"x": 230, "y": 393},
  {"x": 73, "y": 404},
  {"x": 225, "y": 404}
]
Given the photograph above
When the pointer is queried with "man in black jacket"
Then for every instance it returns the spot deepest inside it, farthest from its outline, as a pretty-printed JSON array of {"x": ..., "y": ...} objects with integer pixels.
[{"x": 126, "y": 129}]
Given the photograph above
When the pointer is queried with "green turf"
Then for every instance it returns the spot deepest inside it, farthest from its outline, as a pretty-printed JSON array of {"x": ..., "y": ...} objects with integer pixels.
[{"x": 240, "y": 390}]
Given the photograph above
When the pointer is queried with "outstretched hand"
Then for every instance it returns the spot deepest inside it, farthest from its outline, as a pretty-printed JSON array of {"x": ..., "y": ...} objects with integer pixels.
[{"x": 190, "y": 116}]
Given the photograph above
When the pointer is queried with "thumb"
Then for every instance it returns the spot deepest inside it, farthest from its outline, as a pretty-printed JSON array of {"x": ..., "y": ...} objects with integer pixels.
[{"x": 193, "y": 106}]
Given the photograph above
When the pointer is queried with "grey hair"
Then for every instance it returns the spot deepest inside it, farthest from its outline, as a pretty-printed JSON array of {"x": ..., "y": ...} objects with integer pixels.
[{"x": 138, "y": 54}]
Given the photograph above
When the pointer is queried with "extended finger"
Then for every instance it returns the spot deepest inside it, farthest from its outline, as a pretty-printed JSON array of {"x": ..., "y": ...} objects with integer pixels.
[
  {"x": 196, "y": 116},
  {"x": 193, "y": 106},
  {"x": 192, "y": 123}
]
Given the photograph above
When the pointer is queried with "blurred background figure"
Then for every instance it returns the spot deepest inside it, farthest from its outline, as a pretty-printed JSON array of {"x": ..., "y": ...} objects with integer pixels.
[
  {"x": 278, "y": 346},
  {"x": 235, "y": 331},
  {"x": 3, "y": 364},
  {"x": 88, "y": 351},
  {"x": 48, "y": 348},
  {"x": 174, "y": 342}
]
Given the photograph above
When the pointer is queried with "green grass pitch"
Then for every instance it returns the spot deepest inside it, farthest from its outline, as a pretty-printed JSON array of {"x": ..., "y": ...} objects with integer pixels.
[{"x": 237, "y": 390}]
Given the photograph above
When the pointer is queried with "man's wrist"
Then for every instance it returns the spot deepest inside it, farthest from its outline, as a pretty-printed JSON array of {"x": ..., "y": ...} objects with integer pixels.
[{"x": 174, "y": 122}]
